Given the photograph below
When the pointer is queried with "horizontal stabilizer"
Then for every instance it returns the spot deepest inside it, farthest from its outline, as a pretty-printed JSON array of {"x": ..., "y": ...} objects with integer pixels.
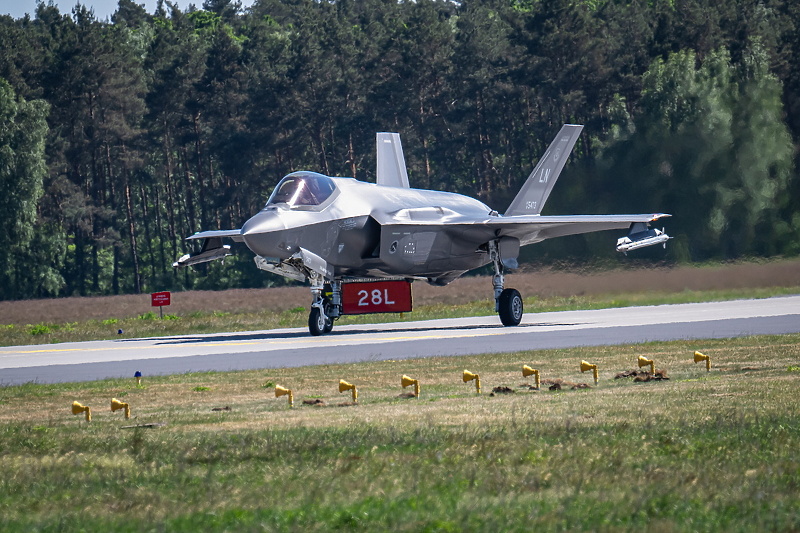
[
  {"x": 532, "y": 196},
  {"x": 391, "y": 170}
]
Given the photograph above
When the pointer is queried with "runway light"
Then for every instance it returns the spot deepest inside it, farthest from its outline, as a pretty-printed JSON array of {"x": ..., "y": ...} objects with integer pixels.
[
  {"x": 78, "y": 408},
  {"x": 281, "y": 391},
  {"x": 528, "y": 371},
  {"x": 138, "y": 376},
  {"x": 116, "y": 405},
  {"x": 702, "y": 357},
  {"x": 469, "y": 376},
  {"x": 588, "y": 366},
  {"x": 406, "y": 381},
  {"x": 345, "y": 386},
  {"x": 644, "y": 361}
]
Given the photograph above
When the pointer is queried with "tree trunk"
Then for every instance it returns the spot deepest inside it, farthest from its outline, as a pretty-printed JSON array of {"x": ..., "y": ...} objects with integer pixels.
[
  {"x": 200, "y": 182},
  {"x": 137, "y": 276}
]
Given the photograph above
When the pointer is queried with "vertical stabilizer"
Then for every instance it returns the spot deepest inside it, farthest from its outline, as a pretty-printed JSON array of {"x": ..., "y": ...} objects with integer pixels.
[
  {"x": 391, "y": 163},
  {"x": 531, "y": 197}
]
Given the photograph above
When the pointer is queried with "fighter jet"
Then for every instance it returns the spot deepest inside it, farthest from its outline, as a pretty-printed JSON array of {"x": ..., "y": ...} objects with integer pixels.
[{"x": 360, "y": 245}]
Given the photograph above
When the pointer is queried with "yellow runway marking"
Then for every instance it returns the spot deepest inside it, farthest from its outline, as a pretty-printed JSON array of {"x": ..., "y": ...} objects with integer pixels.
[
  {"x": 55, "y": 350},
  {"x": 346, "y": 340}
]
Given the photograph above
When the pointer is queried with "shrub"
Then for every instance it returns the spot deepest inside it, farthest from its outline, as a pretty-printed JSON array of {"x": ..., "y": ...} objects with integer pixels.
[{"x": 40, "y": 329}]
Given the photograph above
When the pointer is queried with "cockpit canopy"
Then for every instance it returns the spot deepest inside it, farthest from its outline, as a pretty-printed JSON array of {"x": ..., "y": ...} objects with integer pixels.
[{"x": 302, "y": 189}]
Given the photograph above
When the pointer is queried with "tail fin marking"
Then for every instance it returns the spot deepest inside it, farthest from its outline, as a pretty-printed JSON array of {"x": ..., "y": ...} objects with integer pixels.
[{"x": 533, "y": 194}]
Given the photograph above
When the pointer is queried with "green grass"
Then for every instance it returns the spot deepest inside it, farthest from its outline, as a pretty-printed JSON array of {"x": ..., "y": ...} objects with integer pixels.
[
  {"x": 704, "y": 451},
  {"x": 149, "y": 325}
]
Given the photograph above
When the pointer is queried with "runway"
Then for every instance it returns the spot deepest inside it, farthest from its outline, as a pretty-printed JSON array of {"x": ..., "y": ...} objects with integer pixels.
[{"x": 86, "y": 361}]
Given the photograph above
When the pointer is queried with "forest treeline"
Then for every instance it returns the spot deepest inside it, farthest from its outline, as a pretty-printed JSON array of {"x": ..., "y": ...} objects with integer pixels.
[{"x": 121, "y": 137}]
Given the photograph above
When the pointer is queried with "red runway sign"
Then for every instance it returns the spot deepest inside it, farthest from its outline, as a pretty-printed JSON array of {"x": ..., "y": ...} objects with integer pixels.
[
  {"x": 160, "y": 298},
  {"x": 376, "y": 297}
]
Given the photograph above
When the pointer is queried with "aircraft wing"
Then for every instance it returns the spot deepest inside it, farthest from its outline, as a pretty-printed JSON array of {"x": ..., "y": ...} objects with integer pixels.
[
  {"x": 535, "y": 228},
  {"x": 527, "y": 228}
]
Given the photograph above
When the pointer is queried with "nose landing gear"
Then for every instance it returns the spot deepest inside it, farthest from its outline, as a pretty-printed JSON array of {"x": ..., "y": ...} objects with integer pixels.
[
  {"x": 326, "y": 306},
  {"x": 318, "y": 322}
]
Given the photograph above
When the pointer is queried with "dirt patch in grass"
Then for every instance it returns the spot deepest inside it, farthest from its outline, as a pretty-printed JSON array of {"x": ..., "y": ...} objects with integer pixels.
[
  {"x": 643, "y": 375},
  {"x": 542, "y": 283}
]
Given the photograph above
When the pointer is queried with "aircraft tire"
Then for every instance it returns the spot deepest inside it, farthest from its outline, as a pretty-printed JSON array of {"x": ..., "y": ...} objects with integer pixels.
[
  {"x": 328, "y": 312},
  {"x": 510, "y": 307},
  {"x": 317, "y": 322}
]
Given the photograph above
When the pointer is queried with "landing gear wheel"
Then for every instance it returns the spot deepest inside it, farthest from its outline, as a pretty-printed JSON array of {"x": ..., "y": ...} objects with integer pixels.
[
  {"x": 328, "y": 314},
  {"x": 510, "y": 307},
  {"x": 318, "y": 322}
]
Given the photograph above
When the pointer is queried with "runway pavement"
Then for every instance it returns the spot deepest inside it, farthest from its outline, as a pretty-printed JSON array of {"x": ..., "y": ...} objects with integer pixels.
[{"x": 84, "y": 361}]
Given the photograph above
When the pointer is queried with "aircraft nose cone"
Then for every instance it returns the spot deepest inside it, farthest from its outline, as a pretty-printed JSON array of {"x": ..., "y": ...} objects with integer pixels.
[
  {"x": 263, "y": 234},
  {"x": 263, "y": 222}
]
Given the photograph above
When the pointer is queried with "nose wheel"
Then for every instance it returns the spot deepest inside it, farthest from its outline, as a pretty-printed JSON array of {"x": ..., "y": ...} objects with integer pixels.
[
  {"x": 318, "y": 322},
  {"x": 326, "y": 306}
]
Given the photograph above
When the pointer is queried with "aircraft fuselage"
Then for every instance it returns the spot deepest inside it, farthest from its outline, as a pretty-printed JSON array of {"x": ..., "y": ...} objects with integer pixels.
[{"x": 369, "y": 230}]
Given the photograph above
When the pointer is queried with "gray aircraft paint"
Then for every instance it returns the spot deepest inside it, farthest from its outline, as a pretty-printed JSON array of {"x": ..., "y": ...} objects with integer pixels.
[
  {"x": 534, "y": 193},
  {"x": 391, "y": 161},
  {"x": 334, "y": 229}
]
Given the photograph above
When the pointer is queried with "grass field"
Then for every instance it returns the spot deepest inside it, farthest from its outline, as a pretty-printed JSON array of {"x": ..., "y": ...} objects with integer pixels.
[
  {"x": 78, "y": 319},
  {"x": 553, "y": 282},
  {"x": 703, "y": 451}
]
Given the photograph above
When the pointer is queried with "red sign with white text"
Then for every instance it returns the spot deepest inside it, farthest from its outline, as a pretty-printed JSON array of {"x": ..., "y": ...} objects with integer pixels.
[
  {"x": 376, "y": 297},
  {"x": 160, "y": 298}
]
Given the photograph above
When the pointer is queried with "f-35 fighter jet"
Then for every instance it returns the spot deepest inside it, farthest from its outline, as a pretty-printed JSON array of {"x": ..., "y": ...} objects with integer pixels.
[{"x": 360, "y": 245}]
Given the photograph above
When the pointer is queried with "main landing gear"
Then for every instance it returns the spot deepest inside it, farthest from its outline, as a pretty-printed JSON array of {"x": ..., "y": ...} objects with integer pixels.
[
  {"x": 508, "y": 302},
  {"x": 326, "y": 306}
]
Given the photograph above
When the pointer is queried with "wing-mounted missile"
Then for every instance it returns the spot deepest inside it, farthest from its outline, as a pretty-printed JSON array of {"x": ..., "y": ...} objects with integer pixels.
[
  {"x": 212, "y": 250},
  {"x": 641, "y": 235}
]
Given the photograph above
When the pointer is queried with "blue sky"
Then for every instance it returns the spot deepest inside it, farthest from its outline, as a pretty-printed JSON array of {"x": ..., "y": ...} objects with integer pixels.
[{"x": 103, "y": 9}]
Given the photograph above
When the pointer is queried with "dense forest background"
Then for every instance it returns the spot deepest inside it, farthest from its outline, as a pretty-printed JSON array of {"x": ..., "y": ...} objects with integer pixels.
[{"x": 120, "y": 138}]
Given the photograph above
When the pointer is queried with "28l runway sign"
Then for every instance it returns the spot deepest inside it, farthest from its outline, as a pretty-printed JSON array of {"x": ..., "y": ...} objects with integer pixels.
[{"x": 376, "y": 297}]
